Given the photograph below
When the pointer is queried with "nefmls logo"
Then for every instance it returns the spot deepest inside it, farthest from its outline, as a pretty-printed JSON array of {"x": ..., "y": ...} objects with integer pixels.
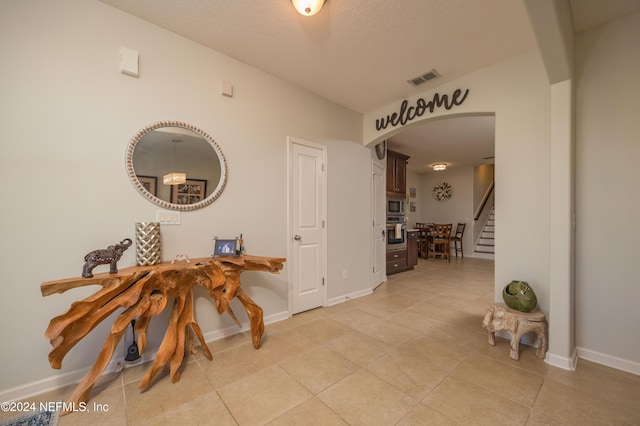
[{"x": 408, "y": 113}]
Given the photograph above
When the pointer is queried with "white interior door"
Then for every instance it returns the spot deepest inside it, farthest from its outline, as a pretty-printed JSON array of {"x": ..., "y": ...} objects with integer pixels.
[
  {"x": 307, "y": 203},
  {"x": 379, "y": 224}
]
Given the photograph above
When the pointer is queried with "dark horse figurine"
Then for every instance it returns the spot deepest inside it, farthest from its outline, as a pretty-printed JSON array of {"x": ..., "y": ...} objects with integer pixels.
[{"x": 110, "y": 255}]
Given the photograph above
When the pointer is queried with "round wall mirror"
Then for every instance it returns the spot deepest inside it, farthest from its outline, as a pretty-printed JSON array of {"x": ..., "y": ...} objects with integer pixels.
[{"x": 176, "y": 165}]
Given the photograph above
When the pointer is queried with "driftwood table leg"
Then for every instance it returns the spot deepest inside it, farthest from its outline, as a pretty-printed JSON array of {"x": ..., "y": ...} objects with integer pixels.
[
  {"x": 83, "y": 389},
  {"x": 255, "y": 317},
  {"x": 172, "y": 347}
]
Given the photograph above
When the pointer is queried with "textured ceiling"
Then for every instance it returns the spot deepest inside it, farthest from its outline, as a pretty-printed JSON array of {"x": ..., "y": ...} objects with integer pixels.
[
  {"x": 360, "y": 53},
  {"x": 357, "y": 53}
]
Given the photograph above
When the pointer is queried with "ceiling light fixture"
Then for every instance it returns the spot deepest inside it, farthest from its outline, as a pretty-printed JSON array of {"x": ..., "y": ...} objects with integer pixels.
[
  {"x": 174, "y": 178},
  {"x": 308, "y": 7},
  {"x": 440, "y": 166}
]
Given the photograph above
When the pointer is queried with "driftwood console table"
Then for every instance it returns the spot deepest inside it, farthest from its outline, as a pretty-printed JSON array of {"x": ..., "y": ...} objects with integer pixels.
[{"x": 143, "y": 292}]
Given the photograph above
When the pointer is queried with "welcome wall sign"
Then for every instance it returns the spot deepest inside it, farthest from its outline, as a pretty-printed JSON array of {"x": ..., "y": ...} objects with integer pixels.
[{"x": 408, "y": 113}]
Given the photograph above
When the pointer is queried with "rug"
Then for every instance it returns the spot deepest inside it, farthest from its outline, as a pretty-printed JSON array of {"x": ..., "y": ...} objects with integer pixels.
[{"x": 41, "y": 418}]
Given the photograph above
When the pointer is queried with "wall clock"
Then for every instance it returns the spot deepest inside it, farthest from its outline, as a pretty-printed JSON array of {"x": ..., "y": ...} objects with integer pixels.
[
  {"x": 442, "y": 191},
  {"x": 381, "y": 149}
]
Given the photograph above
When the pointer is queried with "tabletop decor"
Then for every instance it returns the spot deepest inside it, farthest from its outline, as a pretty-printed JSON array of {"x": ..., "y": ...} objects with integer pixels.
[
  {"x": 520, "y": 296},
  {"x": 148, "y": 243},
  {"x": 109, "y": 256}
]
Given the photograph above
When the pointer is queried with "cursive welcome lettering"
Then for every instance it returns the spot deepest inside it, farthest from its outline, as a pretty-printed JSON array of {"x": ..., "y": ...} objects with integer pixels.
[{"x": 408, "y": 113}]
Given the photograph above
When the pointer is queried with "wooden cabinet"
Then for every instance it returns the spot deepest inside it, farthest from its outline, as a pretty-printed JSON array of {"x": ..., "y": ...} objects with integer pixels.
[
  {"x": 396, "y": 261},
  {"x": 396, "y": 174},
  {"x": 404, "y": 260}
]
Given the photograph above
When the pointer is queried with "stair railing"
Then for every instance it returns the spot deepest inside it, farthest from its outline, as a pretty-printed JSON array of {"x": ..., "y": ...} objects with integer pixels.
[
  {"x": 482, "y": 214},
  {"x": 484, "y": 200}
]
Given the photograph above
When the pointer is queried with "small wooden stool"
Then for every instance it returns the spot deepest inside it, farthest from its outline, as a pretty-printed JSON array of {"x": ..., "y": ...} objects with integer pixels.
[{"x": 500, "y": 317}]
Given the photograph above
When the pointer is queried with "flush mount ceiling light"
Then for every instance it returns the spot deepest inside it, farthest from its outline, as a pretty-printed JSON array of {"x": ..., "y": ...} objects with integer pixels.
[
  {"x": 308, "y": 7},
  {"x": 440, "y": 166}
]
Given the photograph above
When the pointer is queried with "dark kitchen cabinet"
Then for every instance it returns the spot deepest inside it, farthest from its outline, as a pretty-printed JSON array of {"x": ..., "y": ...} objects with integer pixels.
[
  {"x": 397, "y": 261},
  {"x": 396, "y": 174},
  {"x": 405, "y": 259}
]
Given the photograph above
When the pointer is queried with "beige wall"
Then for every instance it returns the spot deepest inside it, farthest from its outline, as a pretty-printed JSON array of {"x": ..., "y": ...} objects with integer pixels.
[
  {"x": 607, "y": 196},
  {"x": 458, "y": 209}
]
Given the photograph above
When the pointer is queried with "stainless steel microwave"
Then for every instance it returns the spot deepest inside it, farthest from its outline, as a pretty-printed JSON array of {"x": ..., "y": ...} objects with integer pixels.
[{"x": 395, "y": 207}]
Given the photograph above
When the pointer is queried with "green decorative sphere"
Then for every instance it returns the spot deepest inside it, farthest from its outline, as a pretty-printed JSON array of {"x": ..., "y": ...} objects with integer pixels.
[{"x": 519, "y": 296}]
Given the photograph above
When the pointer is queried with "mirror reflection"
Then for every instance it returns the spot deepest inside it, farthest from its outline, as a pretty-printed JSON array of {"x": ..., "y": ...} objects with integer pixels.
[{"x": 176, "y": 166}]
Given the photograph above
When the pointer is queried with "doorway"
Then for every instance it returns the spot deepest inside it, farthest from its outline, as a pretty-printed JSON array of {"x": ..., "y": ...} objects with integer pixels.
[
  {"x": 307, "y": 200},
  {"x": 466, "y": 144}
]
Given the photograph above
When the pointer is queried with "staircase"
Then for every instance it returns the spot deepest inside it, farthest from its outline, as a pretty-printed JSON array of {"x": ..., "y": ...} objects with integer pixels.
[{"x": 484, "y": 248}]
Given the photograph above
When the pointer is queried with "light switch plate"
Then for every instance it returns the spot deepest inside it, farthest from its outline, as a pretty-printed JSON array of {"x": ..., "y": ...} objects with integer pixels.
[{"x": 168, "y": 217}]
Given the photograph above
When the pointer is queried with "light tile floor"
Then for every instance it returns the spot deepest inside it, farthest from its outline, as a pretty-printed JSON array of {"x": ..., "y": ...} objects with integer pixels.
[{"x": 412, "y": 353}]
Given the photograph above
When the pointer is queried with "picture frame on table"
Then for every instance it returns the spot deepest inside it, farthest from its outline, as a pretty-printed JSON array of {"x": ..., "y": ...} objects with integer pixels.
[
  {"x": 190, "y": 192},
  {"x": 222, "y": 248}
]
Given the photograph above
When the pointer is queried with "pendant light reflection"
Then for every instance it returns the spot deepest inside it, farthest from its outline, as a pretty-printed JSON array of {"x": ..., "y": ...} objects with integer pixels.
[
  {"x": 308, "y": 7},
  {"x": 174, "y": 178}
]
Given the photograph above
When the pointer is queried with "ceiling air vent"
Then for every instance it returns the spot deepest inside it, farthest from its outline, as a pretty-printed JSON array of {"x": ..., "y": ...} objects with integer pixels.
[{"x": 423, "y": 78}]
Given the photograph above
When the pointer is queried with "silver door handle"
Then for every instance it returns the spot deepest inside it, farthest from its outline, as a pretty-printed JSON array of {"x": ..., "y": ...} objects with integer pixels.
[
  {"x": 297, "y": 238},
  {"x": 383, "y": 233}
]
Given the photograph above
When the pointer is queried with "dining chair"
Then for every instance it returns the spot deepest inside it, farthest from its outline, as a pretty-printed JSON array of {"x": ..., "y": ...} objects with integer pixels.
[
  {"x": 439, "y": 241},
  {"x": 457, "y": 239},
  {"x": 423, "y": 234}
]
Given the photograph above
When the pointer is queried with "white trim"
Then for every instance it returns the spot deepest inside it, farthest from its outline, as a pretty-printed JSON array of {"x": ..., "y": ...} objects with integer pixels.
[
  {"x": 347, "y": 297},
  {"x": 610, "y": 361},
  {"x": 563, "y": 362},
  {"x": 288, "y": 190}
]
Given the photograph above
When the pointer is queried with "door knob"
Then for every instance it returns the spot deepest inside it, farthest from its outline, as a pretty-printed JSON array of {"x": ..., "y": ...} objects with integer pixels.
[{"x": 297, "y": 238}]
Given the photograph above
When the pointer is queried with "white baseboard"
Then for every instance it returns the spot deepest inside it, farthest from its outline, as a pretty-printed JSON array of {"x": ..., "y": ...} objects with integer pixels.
[
  {"x": 61, "y": 380},
  {"x": 563, "y": 362},
  {"x": 610, "y": 361},
  {"x": 347, "y": 297},
  {"x": 232, "y": 330},
  {"x": 116, "y": 364}
]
